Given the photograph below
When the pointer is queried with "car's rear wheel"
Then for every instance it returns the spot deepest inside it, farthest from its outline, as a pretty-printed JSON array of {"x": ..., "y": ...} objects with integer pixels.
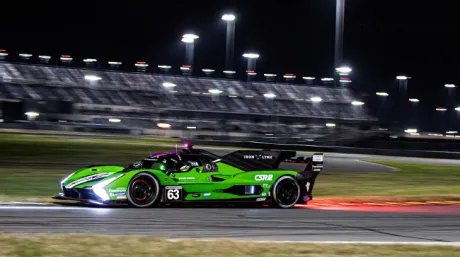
[
  {"x": 286, "y": 192},
  {"x": 143, "y": 190}
]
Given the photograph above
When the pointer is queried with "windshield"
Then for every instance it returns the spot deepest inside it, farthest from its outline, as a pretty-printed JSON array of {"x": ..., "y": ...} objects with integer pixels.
[{"x": 163, "y": 163}]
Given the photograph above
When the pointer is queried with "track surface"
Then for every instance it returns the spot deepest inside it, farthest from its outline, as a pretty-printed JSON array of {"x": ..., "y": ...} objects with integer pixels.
[
  {"x": 259, "y": 224},
  {"x": 399, "y": 224}
]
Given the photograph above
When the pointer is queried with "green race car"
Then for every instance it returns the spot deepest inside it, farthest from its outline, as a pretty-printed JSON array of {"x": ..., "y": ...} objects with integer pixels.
[{"x": 197, "y": 176}]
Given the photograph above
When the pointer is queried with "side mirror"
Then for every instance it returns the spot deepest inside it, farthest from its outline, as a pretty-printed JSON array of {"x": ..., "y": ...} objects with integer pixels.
[{"x": 197, "y": 169}]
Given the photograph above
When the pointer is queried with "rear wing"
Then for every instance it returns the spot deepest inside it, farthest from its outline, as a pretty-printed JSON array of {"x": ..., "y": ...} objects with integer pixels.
[{"x": 250, "y": 160}]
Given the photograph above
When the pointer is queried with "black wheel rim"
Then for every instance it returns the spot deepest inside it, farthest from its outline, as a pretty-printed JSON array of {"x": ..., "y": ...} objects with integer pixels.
[
  {"x": 142, "y": 191},
  {"x": 287, "y": 192}
]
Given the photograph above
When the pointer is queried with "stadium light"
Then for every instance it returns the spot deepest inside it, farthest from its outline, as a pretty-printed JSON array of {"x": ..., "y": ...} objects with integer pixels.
[
  {"x": 269, "y": 75},
  {"x": 188, "y": 40},
  {"x": 141, "y": 64},
  {"x": 309, "y": 78},
  {"x": 316, "y": 99},
  {"x": 32, "y": 114},
  {"x": 191, "y": 127},
  {"x": 164, "y": 66},
  {"x": 208, "y": 70},
  {"x": 414, "y": 100},
  {"x": 164, "y": 125},
  {"x": 452, "y": 132},
  {"x": 381, "y": 94},
  {"x": 192, "y": 36},
  {"x": 457, "y": 109},
  {"x": 89, "y": 60},
  {"x": 114, "y": 120},
  {"x": 402, "y": 78},
  {"x": 228, "y": 17},
  {"x": 330, "y": 125},
  {"x": 25, "y": 55},
  {"x": 269, "y": 95},
  {"x": 357, "y": 103},
  {"x": 327, "y": 79},
  {"x": 411, "y": 130},
  {"x": 44, "y": 58},
  {"x": 169, "y": 85},
  {"x": 114, "y": 63},
  {"x": 345, "y": 80},
  {"x": 66, "y": 58},
  {"x": 251, "y": 55},
  {"x": 450, "y": 86},
  {"x": 441, "y": 109},
  {"x": 215, "y": 91},
  {"x": 3, "y": 53},
  {"x": 289, "y": 76},
  {"x": 343, "y": 70},
  {"x": 92, "y": 78}
]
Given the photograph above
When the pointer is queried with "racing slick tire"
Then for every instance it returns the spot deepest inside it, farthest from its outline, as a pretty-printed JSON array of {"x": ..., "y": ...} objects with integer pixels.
[
  {"x": 286, "y": 192},
  {"x": 143, "y": 190}
]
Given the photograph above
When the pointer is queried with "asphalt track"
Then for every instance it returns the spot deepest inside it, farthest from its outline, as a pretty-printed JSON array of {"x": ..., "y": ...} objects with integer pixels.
[{"x": 360, "y": 225}]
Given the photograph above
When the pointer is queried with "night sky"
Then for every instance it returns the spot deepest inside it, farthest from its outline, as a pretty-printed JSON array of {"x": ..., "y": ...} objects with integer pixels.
[{"x": 382, "y": 39}]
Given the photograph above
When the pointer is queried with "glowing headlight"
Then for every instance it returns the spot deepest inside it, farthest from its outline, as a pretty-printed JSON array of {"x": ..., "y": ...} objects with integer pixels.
[{"x": 99, "y": 188}]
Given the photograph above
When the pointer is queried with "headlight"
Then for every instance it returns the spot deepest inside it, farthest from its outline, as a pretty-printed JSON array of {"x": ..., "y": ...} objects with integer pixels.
[{"x": 99, "y": 188}]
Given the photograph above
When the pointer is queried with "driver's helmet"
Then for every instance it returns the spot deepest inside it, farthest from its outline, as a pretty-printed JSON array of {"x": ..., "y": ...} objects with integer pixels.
[{"x": 186, "y": 166}]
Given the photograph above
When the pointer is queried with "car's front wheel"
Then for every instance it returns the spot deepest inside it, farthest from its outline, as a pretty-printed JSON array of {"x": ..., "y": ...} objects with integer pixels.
[
  {"x": 286, "y": 192},
  {"x": 143, "y": 190}
]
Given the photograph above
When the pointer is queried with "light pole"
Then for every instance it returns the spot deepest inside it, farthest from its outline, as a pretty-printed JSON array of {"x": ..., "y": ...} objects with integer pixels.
[
  {"x": 189, "y": 40},
  {"x": 339, "y": 20},
  {"x": 230, "y": 43},
  {"x": 251, "y": 65},
  {"x": 252, "y": 57}
]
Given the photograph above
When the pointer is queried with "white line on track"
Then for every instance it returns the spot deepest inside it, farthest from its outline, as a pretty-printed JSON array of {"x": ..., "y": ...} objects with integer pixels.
[
  {"x": 456, "y": 244},
  {"x": 38, "y": 207},
  {"x": 378, "y": 164}
]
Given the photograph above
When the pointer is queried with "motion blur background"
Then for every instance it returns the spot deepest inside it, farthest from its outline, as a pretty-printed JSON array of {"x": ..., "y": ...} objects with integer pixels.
[{"x": 132, "y": 70}]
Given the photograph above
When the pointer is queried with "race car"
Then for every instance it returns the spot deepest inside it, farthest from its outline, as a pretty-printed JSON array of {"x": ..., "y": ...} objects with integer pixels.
[{"x": 196, "y": 176}]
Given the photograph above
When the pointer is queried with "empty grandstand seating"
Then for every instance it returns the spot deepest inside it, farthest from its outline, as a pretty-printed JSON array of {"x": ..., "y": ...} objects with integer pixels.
[{"x": 146, "y": 93}]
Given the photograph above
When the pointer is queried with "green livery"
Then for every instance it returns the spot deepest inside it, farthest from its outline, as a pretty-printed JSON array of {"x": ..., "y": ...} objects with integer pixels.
[{"x": 197, "y": 176}]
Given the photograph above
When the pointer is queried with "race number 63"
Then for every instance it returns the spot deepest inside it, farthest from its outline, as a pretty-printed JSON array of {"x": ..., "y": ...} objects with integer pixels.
[{"x": 173, "y": 193}]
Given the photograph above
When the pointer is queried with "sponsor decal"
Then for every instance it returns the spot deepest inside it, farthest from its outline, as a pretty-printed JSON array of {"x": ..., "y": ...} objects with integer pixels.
[
  {"x": 266, "y": 185},
  {"x": 317, "y": 158},
  {"x": 206, "y": 195},
  {"x": 261, "y": 199},
  {"x": 88, "y": 178},
  {"x": 120, "y": 189},
  {"x": 121, "y": 197},
  {"x": 118, "y": 192},
  {"x": 194, "y": 164},
  {"x": 264, "y": 194},
  {"x": 187, "y": 178},
  {"x": 195, "y": 195},
  {"x": 263, "y": 177},
  {"x": 258, "y": 157}
]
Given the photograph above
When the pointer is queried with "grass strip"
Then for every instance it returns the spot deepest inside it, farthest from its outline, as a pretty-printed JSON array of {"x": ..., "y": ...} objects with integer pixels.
[{"x": 134, "y": 246}]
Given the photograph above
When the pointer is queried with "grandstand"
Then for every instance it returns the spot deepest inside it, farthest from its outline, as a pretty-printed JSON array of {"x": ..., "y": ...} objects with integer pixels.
[{"x": 139, "y": 101}]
